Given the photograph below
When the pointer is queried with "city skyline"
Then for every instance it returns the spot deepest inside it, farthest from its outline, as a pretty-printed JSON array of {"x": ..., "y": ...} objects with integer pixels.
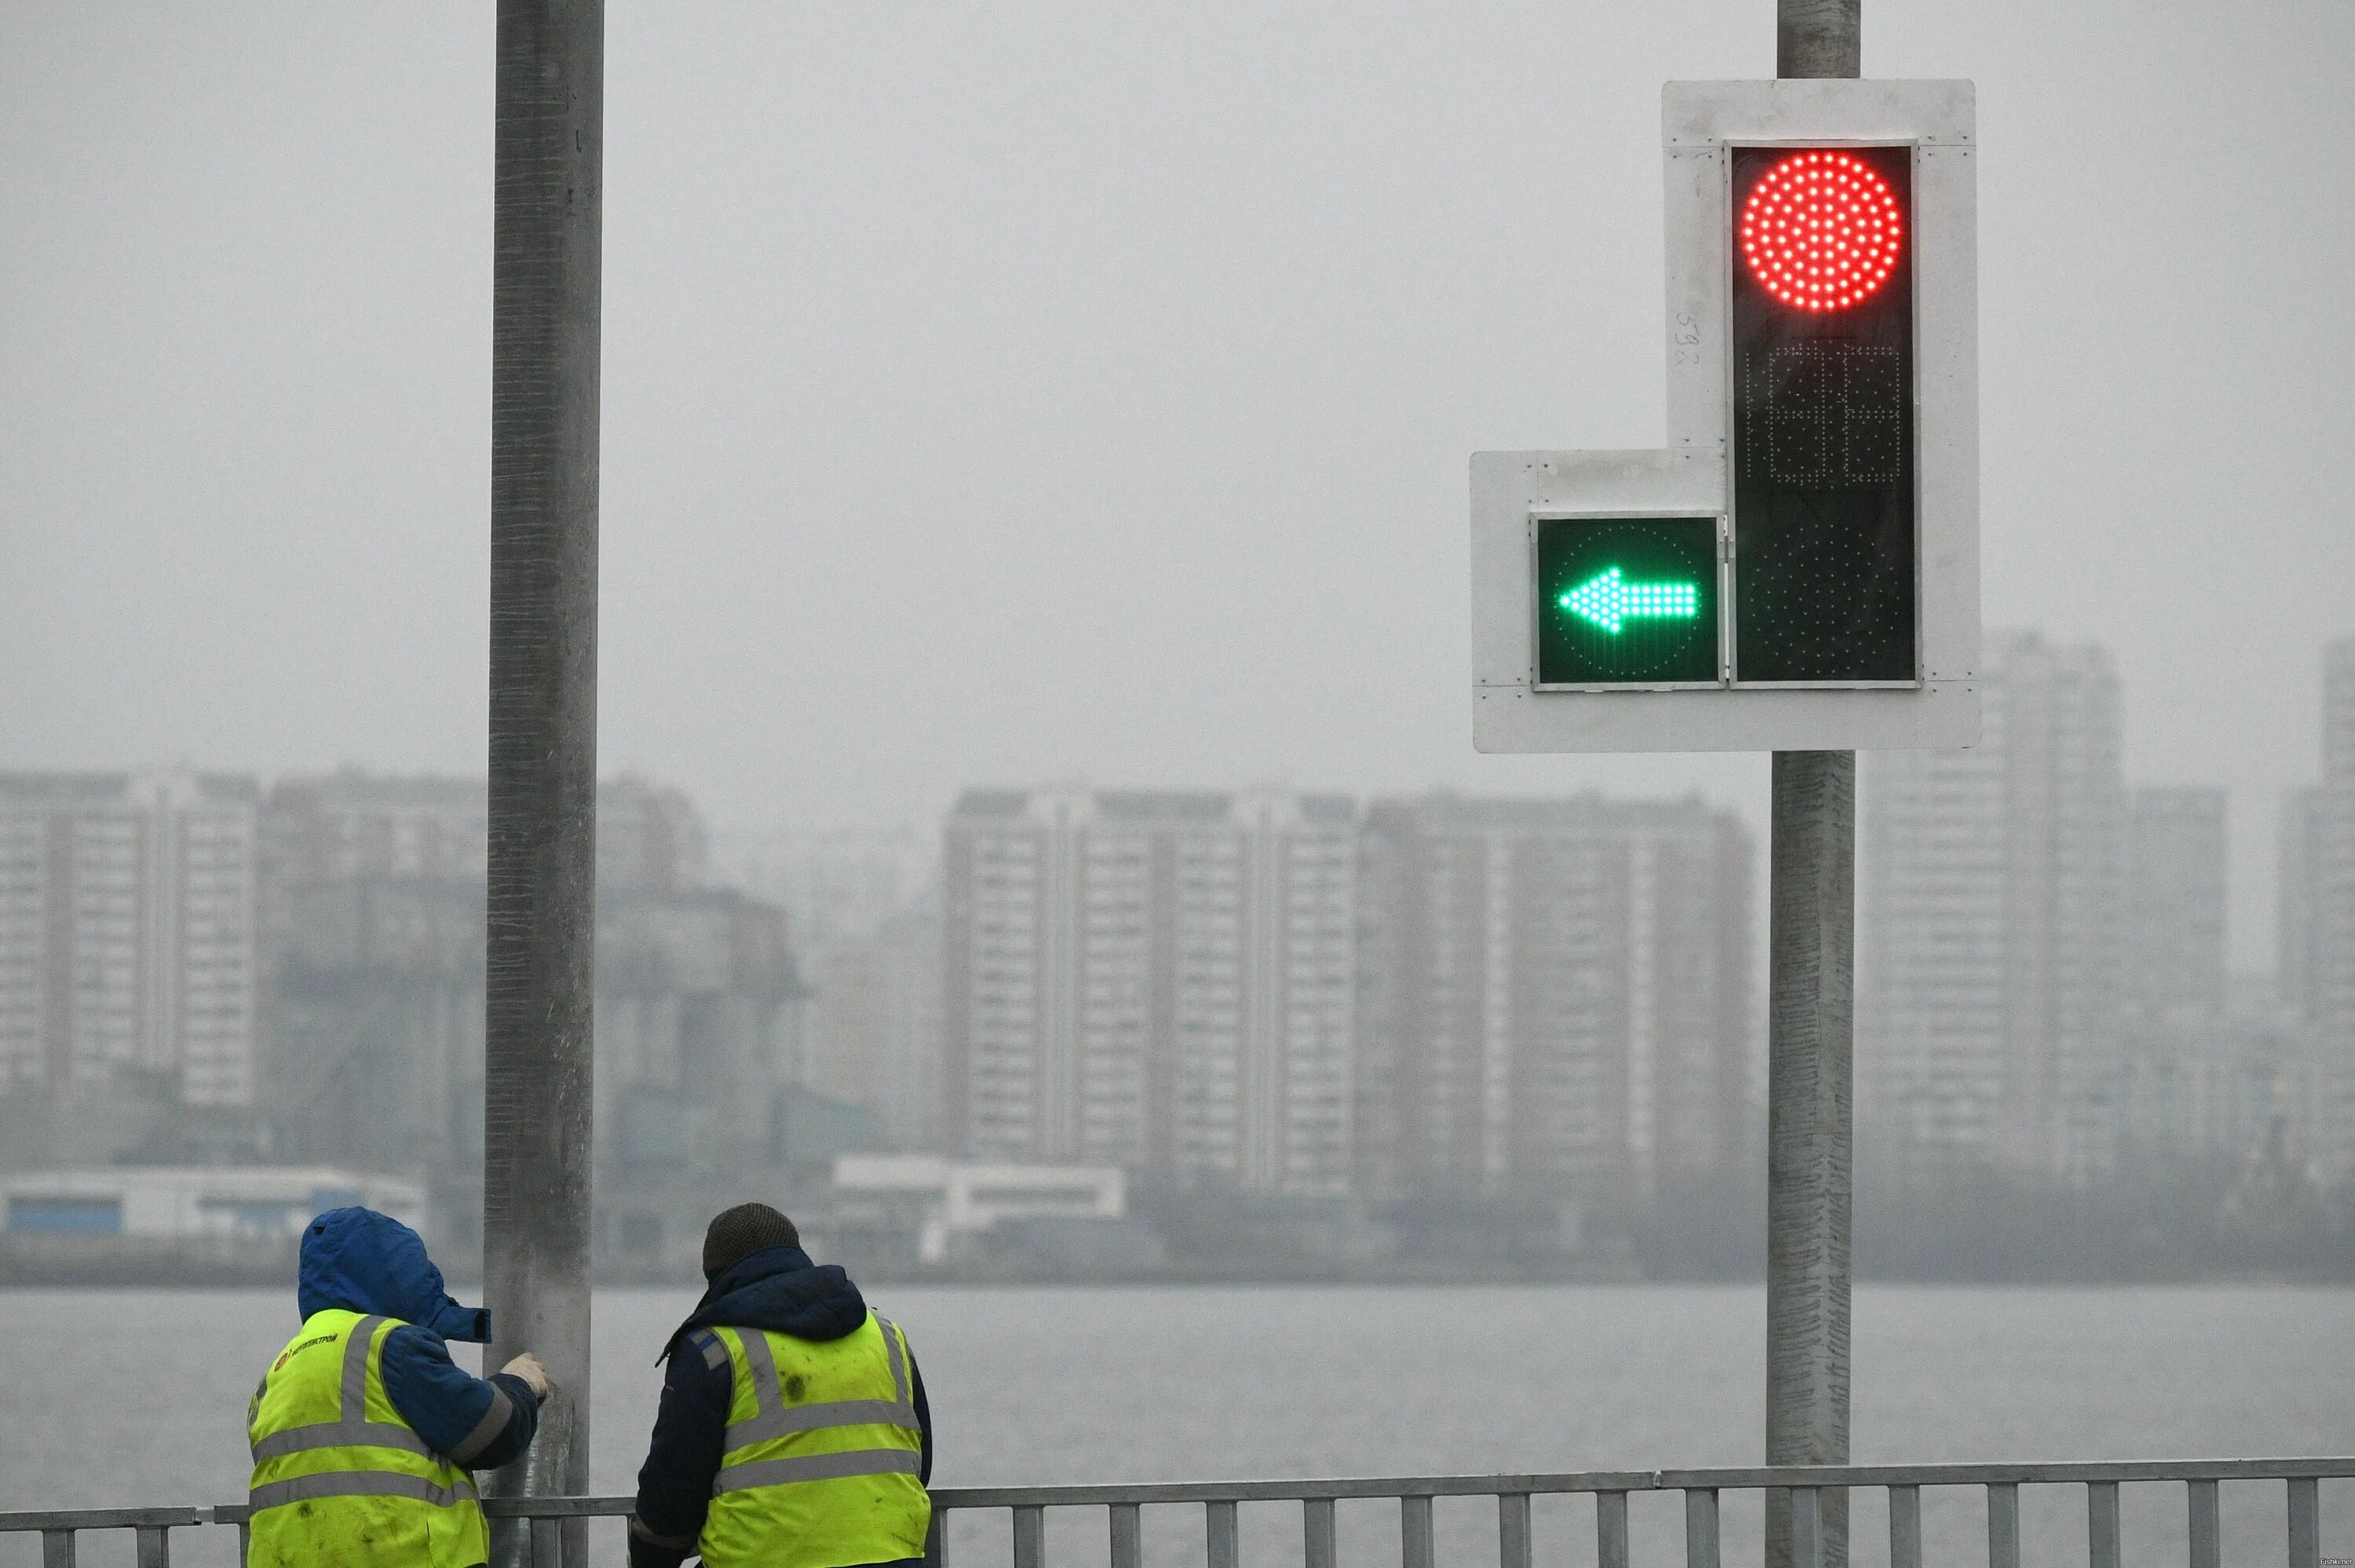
[
  {"x": 2041, "y": 950},
  {"x": 776, "y": 856}
]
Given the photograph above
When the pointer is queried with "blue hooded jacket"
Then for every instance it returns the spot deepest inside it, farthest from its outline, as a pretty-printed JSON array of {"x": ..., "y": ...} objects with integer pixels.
[
  {"x": 361, "y": 1261},
  {"x": 778, "y": 1289}
]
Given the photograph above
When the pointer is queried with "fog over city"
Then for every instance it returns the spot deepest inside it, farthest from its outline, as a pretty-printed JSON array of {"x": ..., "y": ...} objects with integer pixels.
[
  {"x": 1022, "y": 979},
  {"x": 1055, "y": 392}
]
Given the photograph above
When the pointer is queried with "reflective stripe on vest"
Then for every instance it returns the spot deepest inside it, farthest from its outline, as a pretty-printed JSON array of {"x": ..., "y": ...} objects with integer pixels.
[
  {"x": 816, "y": 1467},
  {"x": 358, "y": 1484}
]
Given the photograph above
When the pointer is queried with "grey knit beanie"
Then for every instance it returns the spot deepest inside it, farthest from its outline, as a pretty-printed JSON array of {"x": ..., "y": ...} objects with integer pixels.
[{"x": 739, "y": 1232}]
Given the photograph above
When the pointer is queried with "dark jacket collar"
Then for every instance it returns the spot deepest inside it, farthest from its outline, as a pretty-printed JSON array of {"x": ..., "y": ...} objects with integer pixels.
[{"x": 780, "y": 1289}]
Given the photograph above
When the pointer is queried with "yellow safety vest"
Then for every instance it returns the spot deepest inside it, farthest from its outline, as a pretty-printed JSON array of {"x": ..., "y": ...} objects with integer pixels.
[
  {"x": 818, "y": 1469},
  {"x": 339, "y": 1479}
]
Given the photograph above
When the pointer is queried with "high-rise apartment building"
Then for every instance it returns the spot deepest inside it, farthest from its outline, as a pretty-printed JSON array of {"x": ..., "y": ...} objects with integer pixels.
[
  {"x": 127, "y": 934},
  {"x": 2173, "y": 880},
  {"x": 866, "y": 931},
  {"x": 1553, "y": 991},
  {"x": 873, "y": 1029},
  {"x": 336, "y": 826},
  {"x": 2298, "y": 927},
  {"x": 373, "y": 994},
  {"x": 1158, "y": 980},
  {"x": 2196, "y": 1075},
  {"x": 375, "y": 1044},
  {"x": 1989, "y": 925},
  {"x": 372, "y": 1023},
  {"x": 2330, "y": 985},
  {"x": 2226, "y": 1091},
  {"x": 840, "y": 884}
]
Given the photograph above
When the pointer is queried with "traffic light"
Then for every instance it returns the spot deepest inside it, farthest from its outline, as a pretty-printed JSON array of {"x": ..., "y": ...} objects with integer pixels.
[
  {"x": 1823, "y": 439},
  {"x": 1797, "y": 568},
  {"x": 1626, "y": 601}
]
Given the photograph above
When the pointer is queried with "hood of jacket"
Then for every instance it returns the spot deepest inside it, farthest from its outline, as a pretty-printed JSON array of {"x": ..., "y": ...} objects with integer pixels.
[
  {"x": 361, "y": 1261},
  {"x": 780, "y": 1289}
]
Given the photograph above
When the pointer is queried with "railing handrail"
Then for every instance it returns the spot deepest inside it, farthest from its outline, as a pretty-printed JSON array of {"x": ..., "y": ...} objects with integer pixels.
[
  {"x": 103, "y": 1518},
  {"x": 1334, "y": 1488},
  {"x": 1735, "y": 1479}
]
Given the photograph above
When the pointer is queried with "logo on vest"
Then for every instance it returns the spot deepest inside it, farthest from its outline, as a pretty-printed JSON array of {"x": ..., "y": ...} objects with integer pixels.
[{"x": 291, "y": 1352}]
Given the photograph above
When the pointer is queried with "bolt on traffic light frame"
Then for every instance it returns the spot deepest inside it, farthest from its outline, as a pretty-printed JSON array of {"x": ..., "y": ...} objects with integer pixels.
[{"x": 1893, "y": 663}]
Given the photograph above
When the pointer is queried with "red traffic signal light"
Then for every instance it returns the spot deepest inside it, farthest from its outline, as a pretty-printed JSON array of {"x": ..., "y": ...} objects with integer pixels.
[
  {"x": 1824, "y": 527},
  {"x": 1822, "y": 230}
]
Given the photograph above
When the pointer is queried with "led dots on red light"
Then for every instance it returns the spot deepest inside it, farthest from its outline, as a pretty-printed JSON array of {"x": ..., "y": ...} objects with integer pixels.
[{"x": 1821, "y": 231}]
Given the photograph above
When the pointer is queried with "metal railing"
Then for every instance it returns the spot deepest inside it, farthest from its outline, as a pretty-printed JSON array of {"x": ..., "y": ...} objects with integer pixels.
[{"x": 1124, "y": 1507}]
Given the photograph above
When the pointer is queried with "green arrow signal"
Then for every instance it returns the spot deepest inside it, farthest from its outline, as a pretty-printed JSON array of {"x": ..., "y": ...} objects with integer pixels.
[{"x": 1606, "y": 601}]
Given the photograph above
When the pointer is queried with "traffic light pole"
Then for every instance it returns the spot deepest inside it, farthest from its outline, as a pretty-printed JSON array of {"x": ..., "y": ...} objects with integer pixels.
[
  {"x": 1811, "y": 1041},
  {"x": 1816, "y": 39},
  {"x": 1809, "y": 1136},
  {"x": 541, "y": 911}
]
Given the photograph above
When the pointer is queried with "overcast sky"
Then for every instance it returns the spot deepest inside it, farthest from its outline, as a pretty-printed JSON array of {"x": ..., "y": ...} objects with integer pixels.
[{"x": 1007, "y": 391}]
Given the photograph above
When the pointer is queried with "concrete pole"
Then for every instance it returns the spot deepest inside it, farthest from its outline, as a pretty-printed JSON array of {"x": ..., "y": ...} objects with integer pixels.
[{"x": 542, "y": 917}]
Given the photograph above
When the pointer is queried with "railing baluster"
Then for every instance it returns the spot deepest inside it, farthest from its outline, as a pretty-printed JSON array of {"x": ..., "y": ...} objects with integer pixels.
[
  {"x": 1316, "y": 1531},
  {"x": 1905, "y": 1527},
  {"x": 57, "y": 1549},
  {"x": 2305, "y": 1524},
  {"x": 547, "y": 1542},
  {"x": 2003, "y": 1524},
  {"x": 1808, "y": 1527},
  {"x": 244, "y": 1543},
  {"x": 1700, "y": 1528},
  {"x": 1127, "y": 1541},
  {"x": 2102, "y": 1524},
  {"x": 2205, "y": 1537},
  {"x": 936, "y": 1539},
  {"x": 1415, "y": 1548},
  {"x": 154, "y": 1546},
  {"x": 1610, "y": 1529},
  {"x": 1513, "y": 1529},
  {"x": 1030, "y": 1536},
  {"x": 1218, "y": 1526}
]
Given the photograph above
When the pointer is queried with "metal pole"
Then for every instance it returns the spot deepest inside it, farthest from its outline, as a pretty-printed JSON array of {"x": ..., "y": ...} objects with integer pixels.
[
  {"x": 541, "y": 916},
  {"x": 1816, "y": 39},
  {"x": 1810, "y": 1032},
  {"x": 1809, "y": 1134}
]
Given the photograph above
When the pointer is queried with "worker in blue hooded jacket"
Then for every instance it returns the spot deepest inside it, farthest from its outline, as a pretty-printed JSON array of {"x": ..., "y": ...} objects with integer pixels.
[
  {"x": 793, "y": 1431},
  {"x": 364, "y": 1430}
]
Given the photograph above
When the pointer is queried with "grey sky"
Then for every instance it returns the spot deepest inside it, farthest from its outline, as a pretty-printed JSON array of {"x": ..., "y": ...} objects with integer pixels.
[{"x": 1016, "y": 390}]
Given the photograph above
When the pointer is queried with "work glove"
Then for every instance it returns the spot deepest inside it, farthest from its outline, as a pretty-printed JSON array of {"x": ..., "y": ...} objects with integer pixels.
[{"x": 535, "y": 1376}]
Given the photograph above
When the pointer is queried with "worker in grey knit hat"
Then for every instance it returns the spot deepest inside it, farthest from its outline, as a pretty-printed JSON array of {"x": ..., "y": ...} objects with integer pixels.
[{"x": 793, "y": 1431}]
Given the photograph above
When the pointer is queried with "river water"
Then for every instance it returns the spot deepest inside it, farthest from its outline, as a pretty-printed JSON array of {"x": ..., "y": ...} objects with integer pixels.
[{"x": 116, "y": 1398}]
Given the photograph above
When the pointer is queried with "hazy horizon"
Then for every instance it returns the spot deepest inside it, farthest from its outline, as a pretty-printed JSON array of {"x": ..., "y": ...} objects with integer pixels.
[{"x": 997, "y": 394}]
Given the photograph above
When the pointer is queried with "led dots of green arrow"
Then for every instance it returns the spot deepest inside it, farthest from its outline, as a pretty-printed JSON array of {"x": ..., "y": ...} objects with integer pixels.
[{"x": 1606, "y": 601}]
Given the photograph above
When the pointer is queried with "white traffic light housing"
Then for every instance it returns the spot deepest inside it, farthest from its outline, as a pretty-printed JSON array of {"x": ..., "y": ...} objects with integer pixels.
[{"x": 1798, "y": 568}]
